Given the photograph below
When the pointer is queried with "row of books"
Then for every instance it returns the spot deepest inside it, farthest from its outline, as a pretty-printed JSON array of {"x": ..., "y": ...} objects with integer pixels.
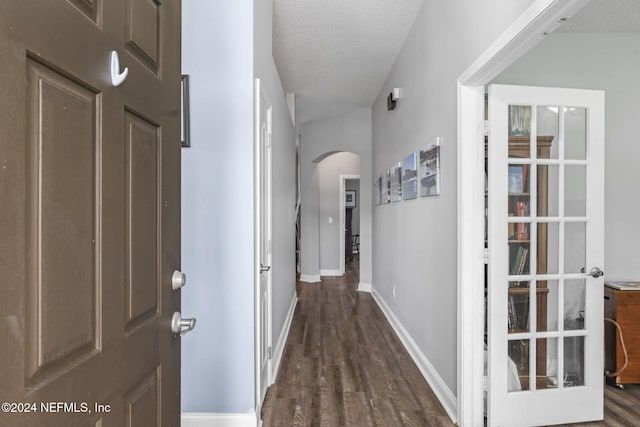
[
  {"x": 518, "y": 313},
  {"x": 519, "y": 263},
  {"x": 518, "y": 316}
]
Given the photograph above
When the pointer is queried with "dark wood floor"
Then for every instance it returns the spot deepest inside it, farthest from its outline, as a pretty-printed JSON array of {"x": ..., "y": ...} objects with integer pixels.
[
  {"x": 621, "y": 408},
  {"x": 344, "y": 366}
]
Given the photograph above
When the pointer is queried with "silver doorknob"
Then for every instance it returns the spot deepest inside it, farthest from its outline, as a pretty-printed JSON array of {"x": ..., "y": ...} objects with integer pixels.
[
  {"x": 594, "y": 272},
  {"x": 181, "y": 326},
  {"x": 178, "y": 280},
  {"x": 264, "y": 268}
]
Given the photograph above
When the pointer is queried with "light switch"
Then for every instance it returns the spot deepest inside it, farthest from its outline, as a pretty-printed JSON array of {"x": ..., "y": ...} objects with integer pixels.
[{"x": 330, "y": 220}]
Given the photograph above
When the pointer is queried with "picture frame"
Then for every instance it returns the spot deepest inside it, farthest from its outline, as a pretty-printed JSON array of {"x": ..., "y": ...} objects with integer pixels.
[
  {"x": 430, "y": 170},
  {"x": 377, "y": 191},
  {"x": 396, "y": 182},
  {"x": 516, "y": 179},
  {"x": 350, "y": 198},
  {"x": 386, "y": 187},
  {"x": 409, "y": 177},
  {"x": 185, "y": 141}
]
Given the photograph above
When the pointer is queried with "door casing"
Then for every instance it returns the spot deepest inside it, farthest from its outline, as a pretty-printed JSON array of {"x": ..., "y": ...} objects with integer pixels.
[
  {"x": 259, "y": 94},
  {"x": 343, "y": 183},
  {"x": 543, "y": 16}
]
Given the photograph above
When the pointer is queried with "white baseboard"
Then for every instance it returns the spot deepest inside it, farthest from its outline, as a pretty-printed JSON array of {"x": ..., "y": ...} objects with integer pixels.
[
  {"x": 205, "y": 419},
  {"x": 279, "y": 348},
  {"x": 310, "y": 278},
  {"x": 364, "y": 287},
  {"x": 439, "y": 387},
  {"x": 331, "y": 273}
]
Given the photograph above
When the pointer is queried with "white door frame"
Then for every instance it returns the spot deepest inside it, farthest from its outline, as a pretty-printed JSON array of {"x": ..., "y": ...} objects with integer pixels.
[
  {"x": 342, "y": 226},
  {"x": 540, "y": 19},
  {"x": 259, "y": 93}
]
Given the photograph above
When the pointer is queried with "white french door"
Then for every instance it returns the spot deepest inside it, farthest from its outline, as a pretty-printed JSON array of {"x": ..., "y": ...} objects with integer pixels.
[{"x": 545, "y": 242}]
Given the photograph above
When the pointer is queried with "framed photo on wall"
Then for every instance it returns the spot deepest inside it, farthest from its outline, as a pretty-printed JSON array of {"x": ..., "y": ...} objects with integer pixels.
[
  {"x": 350, "y": 199},
  {"x": 396, "y": 182},
  {"x": 377, "y": 190},
  {"x": 409, "y": 177},
  {"x": 430, "y": 170},
  {"x": 386, "y": 187}
]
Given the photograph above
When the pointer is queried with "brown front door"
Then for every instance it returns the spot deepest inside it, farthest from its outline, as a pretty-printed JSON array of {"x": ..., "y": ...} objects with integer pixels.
[{"x": 89, "y": 213}]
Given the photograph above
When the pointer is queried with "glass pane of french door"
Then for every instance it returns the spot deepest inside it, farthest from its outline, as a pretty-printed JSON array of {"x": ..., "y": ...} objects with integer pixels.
[{"x": 545, "y": 149}]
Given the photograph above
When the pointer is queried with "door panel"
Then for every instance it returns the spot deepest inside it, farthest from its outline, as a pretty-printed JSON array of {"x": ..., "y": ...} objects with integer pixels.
[
  {"x": 141, "y": 198},
  {"x": 61, "y": 225},
  {"x": 91, "y": 8},
  {"x": 90, "y": 225},
  {"x": 142, "y": 403},
  {"x": 546, "y": 198},
  {"x": 143, "y": 31}
]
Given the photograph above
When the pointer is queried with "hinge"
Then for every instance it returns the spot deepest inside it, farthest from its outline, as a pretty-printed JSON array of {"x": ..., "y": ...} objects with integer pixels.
[
  {"x": 485, "y": 255},
  {"x": 486, "y": 128},
  {"x": 270, "y": 352}
]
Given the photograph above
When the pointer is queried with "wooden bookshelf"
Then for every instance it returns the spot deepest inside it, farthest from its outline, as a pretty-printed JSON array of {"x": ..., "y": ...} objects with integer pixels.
[{"x": 519, "y": 147}]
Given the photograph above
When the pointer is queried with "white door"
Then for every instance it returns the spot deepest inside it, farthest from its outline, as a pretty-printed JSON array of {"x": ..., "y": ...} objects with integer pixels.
[
  {"x": 263, "y": 235},
  {"x": 546, "y": 229}
]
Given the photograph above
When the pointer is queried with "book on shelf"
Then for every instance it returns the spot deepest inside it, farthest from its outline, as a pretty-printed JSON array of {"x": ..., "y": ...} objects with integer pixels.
[
  {"x": 512, "y": 229},
  {"x": 518, "y": 313},
  {"x": 519, "y": 264},
  {"x": 523, "y": 261},
  {"x": 521, "y": 229},
  {"x": 511, "y": 313},
  {"x": 515, "y": 262},
  {"x": 519, "y": 208}
]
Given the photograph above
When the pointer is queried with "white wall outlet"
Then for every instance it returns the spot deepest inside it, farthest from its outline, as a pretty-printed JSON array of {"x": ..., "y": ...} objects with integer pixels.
[
  {"x": 393, "y": 291},
  {"x": 330, "y": 220}
]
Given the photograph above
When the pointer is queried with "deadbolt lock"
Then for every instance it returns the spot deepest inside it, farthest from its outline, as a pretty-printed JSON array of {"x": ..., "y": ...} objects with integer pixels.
[{"x": 178, "y": 280}]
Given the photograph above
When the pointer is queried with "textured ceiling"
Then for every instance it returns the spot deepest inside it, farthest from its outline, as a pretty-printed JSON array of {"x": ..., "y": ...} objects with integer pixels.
[
  {"x": 336, "y": 54},
  {"x": 605, "y": 16}
]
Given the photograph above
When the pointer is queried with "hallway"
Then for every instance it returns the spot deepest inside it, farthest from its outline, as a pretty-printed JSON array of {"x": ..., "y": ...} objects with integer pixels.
[{"x": 343, "y": 365}]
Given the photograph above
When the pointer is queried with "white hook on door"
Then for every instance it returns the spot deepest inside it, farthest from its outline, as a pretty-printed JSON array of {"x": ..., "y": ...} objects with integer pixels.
[{"x": 116, "y": 76}]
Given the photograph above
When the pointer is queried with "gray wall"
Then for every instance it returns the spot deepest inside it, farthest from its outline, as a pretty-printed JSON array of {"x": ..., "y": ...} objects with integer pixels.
[
  {"x": 349, "y": 132},
  {"x": 354, "y": 184},
  {"x": 217, "y": 224},
  {"x": 608, "y": 62},
  {"x": 329, "y": 171},
  {"x": 415, "y": 240},
  {"x": 283, "y": 156}
]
